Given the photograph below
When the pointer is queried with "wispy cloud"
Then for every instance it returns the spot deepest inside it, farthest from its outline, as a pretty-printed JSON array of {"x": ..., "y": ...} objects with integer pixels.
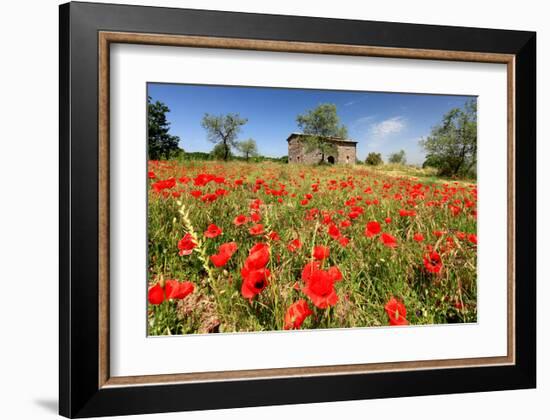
[
  {"x": 387, "y": 127},
  {"x": 362, "y": 124},
  {"x": 354, "y": 101}
]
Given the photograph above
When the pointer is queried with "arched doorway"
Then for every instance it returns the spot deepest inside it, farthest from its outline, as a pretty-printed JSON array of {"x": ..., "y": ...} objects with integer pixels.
[{"x": 330, "y": 160}]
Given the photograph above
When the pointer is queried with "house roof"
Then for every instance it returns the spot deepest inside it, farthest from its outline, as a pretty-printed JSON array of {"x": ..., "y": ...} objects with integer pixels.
[{"x": 334, "y": 139}]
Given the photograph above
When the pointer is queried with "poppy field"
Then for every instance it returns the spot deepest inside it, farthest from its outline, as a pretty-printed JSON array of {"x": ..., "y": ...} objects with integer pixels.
[{"x": 236, "y": 247}]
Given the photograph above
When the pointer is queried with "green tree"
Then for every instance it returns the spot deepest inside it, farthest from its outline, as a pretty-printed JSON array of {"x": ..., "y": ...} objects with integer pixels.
[
  {"x": 160, "y": 143},
  {"x": 319, "y": 125},
  {"x": 452, "y": 145},
  {"x": 248, "y": 148},
  {"x": 223, "y": 130},
  {"x": 374, "y": 159},
  {"x": 219, "y": 152},
  {"x": 398, "y": 157}
]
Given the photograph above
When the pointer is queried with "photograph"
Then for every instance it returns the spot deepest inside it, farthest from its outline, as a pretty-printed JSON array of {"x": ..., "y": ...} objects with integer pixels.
[{"x": 284, "y": 208}]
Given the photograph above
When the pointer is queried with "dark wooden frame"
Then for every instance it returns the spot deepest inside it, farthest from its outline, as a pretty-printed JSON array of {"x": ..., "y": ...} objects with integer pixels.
[{"x": 86, "y": 30}]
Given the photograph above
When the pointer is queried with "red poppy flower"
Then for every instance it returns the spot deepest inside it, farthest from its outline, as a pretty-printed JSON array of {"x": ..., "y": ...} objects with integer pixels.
[
  {"x": 274, "y": 236},
  {"x": 372, "y": 229},
  {"x": 255, "y": 216},
  {"x": 333, "y": 231},
  {"x": 151, "y": 175},
  {"x": 156, "y": 295},
  {"x": 225, "y": 252},
  {"x": 321, "y": 252},
  {"x": 254, "y": 273},
  {"x": 258, "y": 256},
  {"x": 406, "y": 213},
  {"x": 176, "y": 290},
  {"x": 186, "y": 244},
  {"x": 294, "y": 245},
  {"x": 320, "y": 289},
  {"x": 254, "y": 282},
  {"x": 212, "y": 231},
  {"x": 335, "y": 274},
  {"x": 256, "y": 229},
  {"x": 387, "y": 220},
  {"x": 432, "y": 262},
  {"x": 164, "y": 184},
  {"x": 241, "y": 219},
  {"x": 455, "y": 211},
  {"x": 418, "y": 237},
  {"x": 296, "y": 314},
  {"x": 308, "y": 270},
  {"x": 196, "y": 193},
  {"x": 396, "y": 312},
  {"x": 388, "y": 240},
  {"x": 354, "y": 214},
  {"x": 345, "y": 223},
  {"x": 343, "y": 241},
  {"x": 472, "y": 238}
]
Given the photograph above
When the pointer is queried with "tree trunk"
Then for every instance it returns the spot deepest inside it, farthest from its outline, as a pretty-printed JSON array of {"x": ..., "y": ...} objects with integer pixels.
[{"x": 225, "y": 151}]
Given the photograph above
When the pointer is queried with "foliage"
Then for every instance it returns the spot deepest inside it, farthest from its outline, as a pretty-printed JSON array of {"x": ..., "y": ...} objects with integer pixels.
[
  {"x": 221, "y": 152},
  {"x": 319, "y": 125},
  {"x": 196, "y": 156},
  {"x": 374, "y": 159},
  {"x": 248, "y": 148},
  {"x": 452, "y": 145},
  {"x": 388, "y": 235},
  {"x": 398, "y": 157},
  {"x": 161, "y": 145},
  {"x": 223, "y": 130}
]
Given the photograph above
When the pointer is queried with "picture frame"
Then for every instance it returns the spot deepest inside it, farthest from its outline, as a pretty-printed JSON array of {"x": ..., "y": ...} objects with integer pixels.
[{"x": 87, "y": 31}]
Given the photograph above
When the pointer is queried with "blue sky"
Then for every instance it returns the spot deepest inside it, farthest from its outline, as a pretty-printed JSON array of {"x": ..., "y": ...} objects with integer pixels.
[{"x": 379, "y": 122}]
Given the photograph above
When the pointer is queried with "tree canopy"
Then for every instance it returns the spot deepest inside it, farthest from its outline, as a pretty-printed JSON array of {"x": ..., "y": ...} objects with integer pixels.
[
  {"x": 223, "y": 130},
  {"x": 398, "y": 157},
  {"x": 220, "y": 152},
  {"x": 374, "y": 159},
  {"x": 161, "y": 144},
  {"x": 452, "y": 145},
  {"x": 320, "y": 124},
  {"x": 248, "y": 148}
]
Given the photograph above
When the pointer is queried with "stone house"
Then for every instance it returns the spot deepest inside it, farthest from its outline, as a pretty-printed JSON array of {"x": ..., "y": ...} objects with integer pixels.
[{"x": 297, "y": 151}]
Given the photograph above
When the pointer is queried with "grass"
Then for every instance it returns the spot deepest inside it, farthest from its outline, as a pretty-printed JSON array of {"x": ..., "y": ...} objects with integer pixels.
[{"x": 372, "y": 272}]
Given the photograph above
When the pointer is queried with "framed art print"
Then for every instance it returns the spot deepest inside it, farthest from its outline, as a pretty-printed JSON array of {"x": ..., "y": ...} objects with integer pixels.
[{"x": 281, "y": 209}]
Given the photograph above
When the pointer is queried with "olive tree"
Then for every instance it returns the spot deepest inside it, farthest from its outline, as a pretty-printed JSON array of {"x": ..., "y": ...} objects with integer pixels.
[
  {"x": 320, "y": 125},
  {"x": 223, "y": 130},
  {"x": 452, "y": 145}
]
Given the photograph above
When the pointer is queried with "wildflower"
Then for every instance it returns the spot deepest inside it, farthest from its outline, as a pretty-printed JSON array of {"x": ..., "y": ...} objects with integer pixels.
[
  {"x": 388, "y": 240},
  {"x": 418, "y": 237},
  {"x": 396, "y": 312},
  {"x": 294, "y": 245},
  {"x": 432, "y": 262},
  {"x": 156, "y": 295},
  {"x": 212, "y": 231},
  {"x": 321, "y": 252},
  {"x": 240, "y": 220},
  {"x": 372, "y": 229},
  {"x": 225, "y": 252},
  {"x": 257, "y": 229},
  {"x": 176, "y": 290},
  {"x": 186, "y": 244},
  {"x": 296, "y": 314}
]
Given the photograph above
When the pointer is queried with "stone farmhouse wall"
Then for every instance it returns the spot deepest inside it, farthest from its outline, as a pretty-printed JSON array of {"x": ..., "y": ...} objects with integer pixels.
[{"x": 296, "y": 152}]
